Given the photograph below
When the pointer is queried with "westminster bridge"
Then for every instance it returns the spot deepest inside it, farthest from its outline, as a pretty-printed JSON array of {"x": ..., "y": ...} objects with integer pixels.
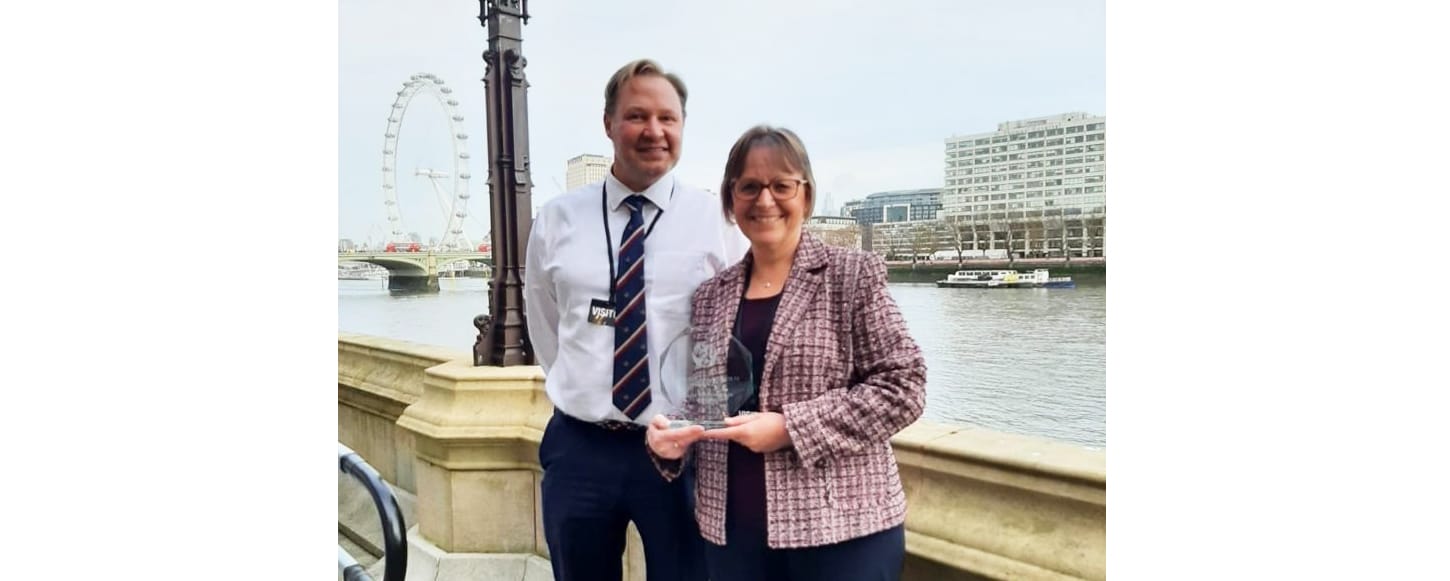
[{"x": 414, "y": 272}]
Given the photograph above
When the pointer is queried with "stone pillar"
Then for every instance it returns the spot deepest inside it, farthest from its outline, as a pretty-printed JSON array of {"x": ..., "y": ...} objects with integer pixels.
[
  {"x": 412, "y": 283},
  {"x": 477, "y": 432}
]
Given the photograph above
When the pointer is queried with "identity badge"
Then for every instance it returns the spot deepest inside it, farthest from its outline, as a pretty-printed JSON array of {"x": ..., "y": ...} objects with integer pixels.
[{"x": 601, "y": 312}]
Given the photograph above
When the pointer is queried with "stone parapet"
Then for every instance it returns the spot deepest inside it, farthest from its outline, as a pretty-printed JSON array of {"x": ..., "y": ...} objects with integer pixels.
[
  {"x": 980, "y": 504},
  {"x": 1003, "y": 506},
  {"x": 377, "y": 379}
]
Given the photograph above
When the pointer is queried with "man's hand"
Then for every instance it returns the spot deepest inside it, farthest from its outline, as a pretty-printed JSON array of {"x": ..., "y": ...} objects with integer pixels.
[
  {"x": 761, "y": 432},
  {"x": 670, "y": 444}
]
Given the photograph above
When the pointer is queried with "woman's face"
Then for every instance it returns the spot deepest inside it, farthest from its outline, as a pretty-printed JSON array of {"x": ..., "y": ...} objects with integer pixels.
[{"x": 766, "y": 219}]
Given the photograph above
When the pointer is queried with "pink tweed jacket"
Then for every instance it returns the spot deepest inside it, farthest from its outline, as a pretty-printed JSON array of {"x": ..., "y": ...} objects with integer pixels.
[{"x": 841, "y": 368}]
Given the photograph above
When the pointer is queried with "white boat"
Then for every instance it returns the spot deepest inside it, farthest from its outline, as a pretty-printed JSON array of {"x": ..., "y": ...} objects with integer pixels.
[{"x": 1005, "y": 279}]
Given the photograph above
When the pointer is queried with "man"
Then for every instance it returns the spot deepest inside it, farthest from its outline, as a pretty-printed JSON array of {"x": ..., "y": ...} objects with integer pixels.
[{"x": 610, "y": 272}]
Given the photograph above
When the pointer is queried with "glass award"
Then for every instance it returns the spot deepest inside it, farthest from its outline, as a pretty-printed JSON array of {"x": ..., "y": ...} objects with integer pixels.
[{"x": 704, "y": 378}]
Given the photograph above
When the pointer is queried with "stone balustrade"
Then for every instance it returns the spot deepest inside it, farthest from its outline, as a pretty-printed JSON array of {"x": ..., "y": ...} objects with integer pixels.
[{"x": 460, "y": 445}]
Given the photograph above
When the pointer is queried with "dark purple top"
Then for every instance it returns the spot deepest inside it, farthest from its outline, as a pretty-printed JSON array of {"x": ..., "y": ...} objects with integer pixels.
[{"x": 745, "y": 494}]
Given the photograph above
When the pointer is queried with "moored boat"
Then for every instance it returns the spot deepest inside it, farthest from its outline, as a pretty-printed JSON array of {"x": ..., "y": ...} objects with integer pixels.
[{"x": 1038, "y": 278}]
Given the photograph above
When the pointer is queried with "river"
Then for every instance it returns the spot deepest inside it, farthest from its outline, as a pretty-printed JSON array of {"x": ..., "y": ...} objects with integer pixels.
[{"x": 1024, "y": 361}]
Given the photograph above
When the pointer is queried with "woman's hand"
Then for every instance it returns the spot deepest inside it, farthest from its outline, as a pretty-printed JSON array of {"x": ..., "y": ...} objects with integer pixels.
[
  {"x": 761, "y": 432},
  {"x": 667, "y": 443}
]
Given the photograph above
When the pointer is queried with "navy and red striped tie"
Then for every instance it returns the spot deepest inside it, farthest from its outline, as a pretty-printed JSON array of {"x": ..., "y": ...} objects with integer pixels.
[{"x": 631, "y": 342}]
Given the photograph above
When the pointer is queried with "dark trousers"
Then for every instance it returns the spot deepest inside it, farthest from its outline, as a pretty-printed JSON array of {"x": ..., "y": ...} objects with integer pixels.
[
  {"x": 595, "y": 482},
  {"x": 875, "y": 557}
]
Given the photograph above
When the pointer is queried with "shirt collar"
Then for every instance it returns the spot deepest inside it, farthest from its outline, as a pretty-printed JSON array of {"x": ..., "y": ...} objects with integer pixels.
[{"x": 657, "y": 193}]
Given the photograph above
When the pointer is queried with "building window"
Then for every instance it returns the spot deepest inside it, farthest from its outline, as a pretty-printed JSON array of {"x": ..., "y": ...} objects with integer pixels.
[
  {"x": 1074, "y": 129},
  {"x": 999, "y": 196}
]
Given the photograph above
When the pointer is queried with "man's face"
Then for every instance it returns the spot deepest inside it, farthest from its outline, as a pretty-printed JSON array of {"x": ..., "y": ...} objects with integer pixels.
[{"x": 646, "y": 130}]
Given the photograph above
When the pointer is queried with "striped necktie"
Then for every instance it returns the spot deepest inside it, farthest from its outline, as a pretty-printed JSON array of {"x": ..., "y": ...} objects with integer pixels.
[{"x": 631, "y": 343}]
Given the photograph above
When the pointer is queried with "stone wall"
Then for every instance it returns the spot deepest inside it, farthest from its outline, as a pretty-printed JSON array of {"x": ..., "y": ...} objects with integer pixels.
[{"x": 463, "y": 441}]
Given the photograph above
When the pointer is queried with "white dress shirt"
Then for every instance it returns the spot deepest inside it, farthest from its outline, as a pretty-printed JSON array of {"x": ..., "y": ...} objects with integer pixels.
[{"x": 567, "y": 266}]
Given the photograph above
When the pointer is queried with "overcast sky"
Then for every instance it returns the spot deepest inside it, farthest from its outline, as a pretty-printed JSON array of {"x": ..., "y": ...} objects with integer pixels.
[{"x": 873, "y": 88}]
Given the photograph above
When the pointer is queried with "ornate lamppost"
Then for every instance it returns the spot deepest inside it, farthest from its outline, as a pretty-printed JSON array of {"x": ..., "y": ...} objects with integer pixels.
[{"x": 503, "y": 334}]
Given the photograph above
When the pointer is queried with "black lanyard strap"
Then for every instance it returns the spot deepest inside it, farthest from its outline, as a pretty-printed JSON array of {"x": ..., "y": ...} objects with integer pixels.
[{"x": 609, "y": 236}]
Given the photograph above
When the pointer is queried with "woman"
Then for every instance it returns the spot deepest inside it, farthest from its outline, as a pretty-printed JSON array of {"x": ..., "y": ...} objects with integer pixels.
[{"x": 806, "y": 486}]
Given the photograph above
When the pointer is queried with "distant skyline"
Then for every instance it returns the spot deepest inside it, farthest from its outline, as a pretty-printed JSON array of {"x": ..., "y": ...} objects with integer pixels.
[{"x": 874, "y": 92}]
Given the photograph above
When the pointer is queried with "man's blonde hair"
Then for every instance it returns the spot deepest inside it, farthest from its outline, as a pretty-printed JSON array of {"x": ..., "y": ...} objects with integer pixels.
[{"x": 641, "y": 67}]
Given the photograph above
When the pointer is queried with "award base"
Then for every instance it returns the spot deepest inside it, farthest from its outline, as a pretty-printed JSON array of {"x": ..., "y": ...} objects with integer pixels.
[{"x": 707, "y": 424}]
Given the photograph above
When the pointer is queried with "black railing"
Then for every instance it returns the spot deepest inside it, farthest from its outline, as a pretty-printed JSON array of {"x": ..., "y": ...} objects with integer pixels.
[{"x": 395, "y": 552}]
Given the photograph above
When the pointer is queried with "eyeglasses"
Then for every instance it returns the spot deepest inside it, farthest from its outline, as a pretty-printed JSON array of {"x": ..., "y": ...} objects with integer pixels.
[{"x": 779, "y": 189}]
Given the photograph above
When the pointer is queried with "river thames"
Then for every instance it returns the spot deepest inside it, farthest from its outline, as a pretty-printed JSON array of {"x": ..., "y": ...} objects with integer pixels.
[{"x": 1024, "y": 361}]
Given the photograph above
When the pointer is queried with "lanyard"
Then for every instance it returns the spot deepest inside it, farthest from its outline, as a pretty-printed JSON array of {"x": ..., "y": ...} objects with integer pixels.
[{"x": 609, "y": 237}]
